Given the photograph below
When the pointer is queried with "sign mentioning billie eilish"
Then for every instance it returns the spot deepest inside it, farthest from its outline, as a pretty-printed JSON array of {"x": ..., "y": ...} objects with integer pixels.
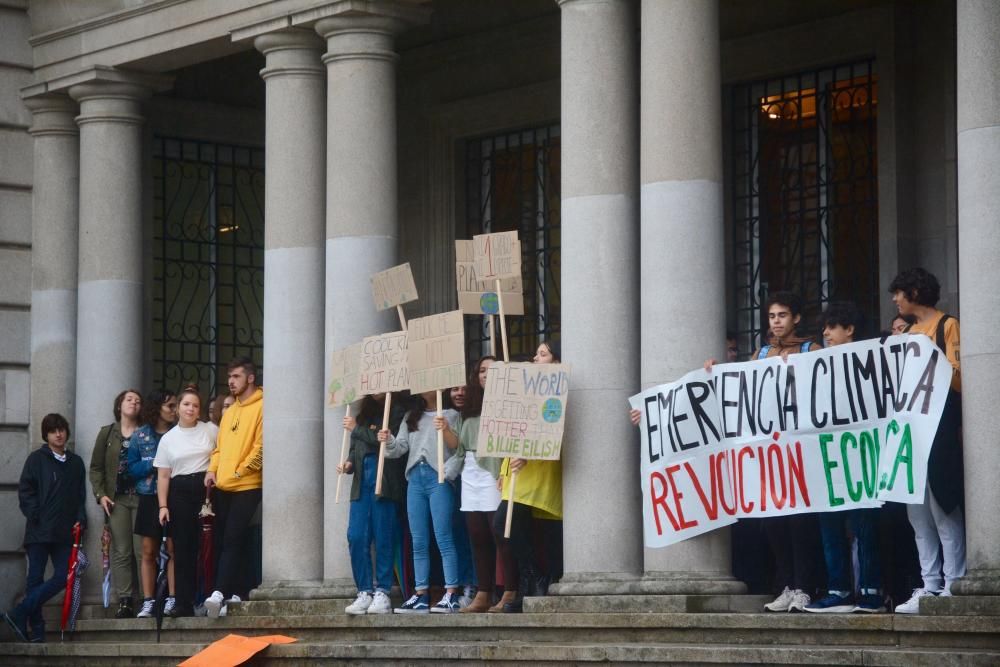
[
  {"x": 836, "y": 429},
  {"x": 524, "y": 410}
]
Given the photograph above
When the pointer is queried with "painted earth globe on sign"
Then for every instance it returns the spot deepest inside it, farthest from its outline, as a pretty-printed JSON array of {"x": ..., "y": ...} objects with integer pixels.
[
  {"x": 489, "y": 303},
  {"x": 552, "y": 410}
]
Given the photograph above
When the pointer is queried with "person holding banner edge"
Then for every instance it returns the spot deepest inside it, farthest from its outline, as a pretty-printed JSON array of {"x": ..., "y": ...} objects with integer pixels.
[
  {"x": 538, "y": 494},
  {"x": 938, "y": 523},
  {"x": 428, "y": 503},
  {"x": 373, "y": 517},
  {"x": 839, "y": 322}
]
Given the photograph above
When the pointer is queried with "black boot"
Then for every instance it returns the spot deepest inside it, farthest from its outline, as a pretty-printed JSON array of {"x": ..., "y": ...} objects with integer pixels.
[{"x": 124, "y": 608}]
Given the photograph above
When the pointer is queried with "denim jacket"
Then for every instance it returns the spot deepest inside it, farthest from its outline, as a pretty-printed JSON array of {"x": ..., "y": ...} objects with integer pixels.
[{"x": 145, "y": 440}]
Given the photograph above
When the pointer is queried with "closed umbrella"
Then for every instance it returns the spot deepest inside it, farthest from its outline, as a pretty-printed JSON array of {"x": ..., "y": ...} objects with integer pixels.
[
  {"x": 106, "y": 563},
  {"x": 162, "y": 586},
  {"x": 78, "y": 562},
  {"x": 206, "y": 555}
]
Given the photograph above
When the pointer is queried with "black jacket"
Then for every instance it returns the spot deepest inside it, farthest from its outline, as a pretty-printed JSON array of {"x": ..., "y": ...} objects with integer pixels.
[{"x": 52, "y": 496}]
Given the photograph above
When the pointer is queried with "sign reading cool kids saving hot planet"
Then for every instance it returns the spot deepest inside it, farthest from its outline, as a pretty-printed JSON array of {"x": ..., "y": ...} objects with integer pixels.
[
  {"x": 835, "y": 429},
  {"x": 524, "y": 410}
]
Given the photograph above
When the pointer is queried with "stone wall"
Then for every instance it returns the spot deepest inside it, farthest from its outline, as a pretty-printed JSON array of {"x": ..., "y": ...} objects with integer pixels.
[{"x": 15, "y": 286}]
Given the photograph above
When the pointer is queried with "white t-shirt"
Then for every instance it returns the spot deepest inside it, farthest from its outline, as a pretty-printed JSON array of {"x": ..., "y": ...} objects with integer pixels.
[{"x": 186, "y": 450}]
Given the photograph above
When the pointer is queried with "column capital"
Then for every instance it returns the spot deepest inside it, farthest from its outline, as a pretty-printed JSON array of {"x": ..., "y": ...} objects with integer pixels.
[
  {"x": 110, "y": 95},
  {"x": 365, "y": 30},
  {"x": 52, "y": 114},
  {"x": 291, "y": 52}
]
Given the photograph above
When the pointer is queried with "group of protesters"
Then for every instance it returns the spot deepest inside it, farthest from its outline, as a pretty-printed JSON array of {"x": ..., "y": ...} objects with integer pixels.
[
  {"x": 152, "y": 471},
  {"x": 158, "y": 463}
]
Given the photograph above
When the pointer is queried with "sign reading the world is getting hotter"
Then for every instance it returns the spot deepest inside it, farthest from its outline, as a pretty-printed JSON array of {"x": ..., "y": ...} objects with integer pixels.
[
  {"x": 524, "y": 411},
  {"x": 479, "y": 297},
  {"x": 345, "y": 376},
  {"x": 836, "y": 429},
  {"x": 436, "y": 352},
  {"x": 393, "y": 287},
  {"x": 383, "y": 365}
]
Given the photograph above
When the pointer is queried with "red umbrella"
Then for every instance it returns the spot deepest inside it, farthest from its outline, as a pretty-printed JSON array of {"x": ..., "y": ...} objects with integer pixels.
[
  {"x": 74, "y": 576},
  {"x": 206, "y": 555}
]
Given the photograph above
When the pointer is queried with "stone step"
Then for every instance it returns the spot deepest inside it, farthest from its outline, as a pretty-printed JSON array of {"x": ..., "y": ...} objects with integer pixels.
[
  {"x": 306, "y": 654},
  {"x": 324, "y": 607},
  {"x": 879, "y": 630}
]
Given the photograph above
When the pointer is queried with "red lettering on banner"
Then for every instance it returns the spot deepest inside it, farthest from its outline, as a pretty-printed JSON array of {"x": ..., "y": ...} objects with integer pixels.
[
  {"x": 797, "y": 474},
  {"x": 746, "y": 451},
  {"x": 762, "y": 468},
  {"x": 712, "y": 510},
  {"x": 677, "y": 498},
  {"x": 776, "y": 470},
  {"x": 719, "y": 461},
  {"x": 660, "y": 501}
]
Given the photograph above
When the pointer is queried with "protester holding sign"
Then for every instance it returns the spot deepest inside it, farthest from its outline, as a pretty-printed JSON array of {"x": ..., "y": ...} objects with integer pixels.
[
  {"x": 840, "y": 321},
  {"x": 938, "y": 523},
  {"x": 428, "y": 503},
  {"x": 455, "y": 399},
  {"x": 373, "y": 517},
  {"x": 537, "y": 494}
]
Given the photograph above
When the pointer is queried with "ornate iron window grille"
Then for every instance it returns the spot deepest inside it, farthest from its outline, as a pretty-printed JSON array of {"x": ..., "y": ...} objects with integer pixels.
[
  {"x": 512, "y": 183},
  {"x": 805, "y": 194},
  {"x": 208, "y": 261}
]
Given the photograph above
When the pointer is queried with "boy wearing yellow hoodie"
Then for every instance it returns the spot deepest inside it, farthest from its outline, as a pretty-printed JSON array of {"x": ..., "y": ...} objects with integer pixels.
[{"x": 236, "y": 472}]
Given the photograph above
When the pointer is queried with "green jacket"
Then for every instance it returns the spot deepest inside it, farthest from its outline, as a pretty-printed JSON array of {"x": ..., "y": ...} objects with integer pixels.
[
  {"x": 467, "y": 440},
  {"x": 364, "y": 441},
  {"x": 104, "y": 461}
]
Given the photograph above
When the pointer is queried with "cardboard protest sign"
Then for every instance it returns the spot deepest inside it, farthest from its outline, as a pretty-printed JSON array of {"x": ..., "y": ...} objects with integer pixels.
[
  {"x": 497, "y": 256},
  {"x": 345, "y": 379},
  {"x": 479, "y": 297},
  {"x": 393, "y": 287},
  {"x": 524, "y": 410},
  {"x": 383, "y": 366},
  {"x": 436, "y": 352},
  {"x": 841, "y": 428}
]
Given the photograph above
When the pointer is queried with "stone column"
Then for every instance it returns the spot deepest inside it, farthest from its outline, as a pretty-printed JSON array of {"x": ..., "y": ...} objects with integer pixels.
[
  {"x": 682, "y": 258},
  {"x": 109, "y": 326},
  {"x": 979, "y": 276},
  {"x": 361, "y": 217},
  {"x": 55, "y": 209},
  {"x": 600, "y": 170},
  {"x": 293, "y": 310}
]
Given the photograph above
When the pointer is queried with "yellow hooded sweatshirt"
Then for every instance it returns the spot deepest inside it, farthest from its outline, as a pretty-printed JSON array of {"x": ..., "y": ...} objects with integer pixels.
[{"x": 239, "y": 452}]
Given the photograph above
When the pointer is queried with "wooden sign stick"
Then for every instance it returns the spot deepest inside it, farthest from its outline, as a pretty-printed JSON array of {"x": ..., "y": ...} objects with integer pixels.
[
  {"x": 510, "y": 504},
  {"x": 493, "y": 336},
  {"x": 402, "y": 318},
  {"x": 381, "y": 445},
  {"x": 503, "y": 323},
  {"x": 343, "y": 455},
  {"x": 440, "y": 409}
]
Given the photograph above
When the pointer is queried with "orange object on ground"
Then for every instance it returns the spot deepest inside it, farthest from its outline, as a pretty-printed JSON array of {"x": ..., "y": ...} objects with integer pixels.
[{"x": 233, "y": 650}]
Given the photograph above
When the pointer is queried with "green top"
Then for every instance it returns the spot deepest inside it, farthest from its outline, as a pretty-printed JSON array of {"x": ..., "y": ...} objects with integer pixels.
[
  {"x": 364, "y": 441},
  {"x": 467, "y": 438}
]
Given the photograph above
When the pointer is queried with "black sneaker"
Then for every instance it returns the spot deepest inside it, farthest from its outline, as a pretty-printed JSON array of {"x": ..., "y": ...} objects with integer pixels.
[
  {"x": 417, "y": 604},
  {"x": 17, "y": 623},
  {"x": 124, "y": 608}
]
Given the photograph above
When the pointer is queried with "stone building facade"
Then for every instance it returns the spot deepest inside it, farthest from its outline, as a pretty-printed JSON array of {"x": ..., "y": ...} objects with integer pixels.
[{"x": 667, "y": 162}]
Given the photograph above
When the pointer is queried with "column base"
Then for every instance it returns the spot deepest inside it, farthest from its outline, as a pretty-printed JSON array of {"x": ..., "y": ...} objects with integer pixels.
[
  {"x": 652, "y": 583},
  {"x": 336, "y": 589},
  {"x": 978, "y": 582}
]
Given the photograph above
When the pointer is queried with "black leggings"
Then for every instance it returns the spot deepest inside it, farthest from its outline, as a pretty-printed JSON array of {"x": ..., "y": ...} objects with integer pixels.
[
  {"x": 184, "y": 499},
  {"x": 516, "y": 553},
  {"x": 233, "y": 512},
  {"x": 484, "y": 550}
]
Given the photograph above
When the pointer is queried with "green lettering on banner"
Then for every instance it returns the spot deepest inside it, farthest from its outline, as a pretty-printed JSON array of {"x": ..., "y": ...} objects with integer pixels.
[
  {"x": 869, "y": 461},
  {"x": 828, "y": 465},
  {"x": 853, "y": 490},
  {"x": 903, "y": 455}
]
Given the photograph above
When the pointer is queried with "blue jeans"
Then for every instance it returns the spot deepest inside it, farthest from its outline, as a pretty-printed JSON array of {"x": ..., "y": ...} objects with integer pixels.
[
  {"x": 371, "y": 519},
  {"x": 463, "y": 546},
  {"x": 428, "y": 502},
  {"x": 39, "y": 589},
  {"x": 837, "y": 554}
]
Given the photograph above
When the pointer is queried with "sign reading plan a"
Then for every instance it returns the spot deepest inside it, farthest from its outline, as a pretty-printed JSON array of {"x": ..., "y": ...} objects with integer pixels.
[
  {"x": 479, "y": 297},
  {"x": 436, "y": 352},
  {"x": 524, "y": 411},
  {"x": 383, "y": 364},
  {"x": 836, "y": 429}
]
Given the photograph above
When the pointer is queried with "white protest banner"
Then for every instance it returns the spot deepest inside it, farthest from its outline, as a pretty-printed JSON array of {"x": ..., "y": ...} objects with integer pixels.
[
  {"x": 524, "y": 410},
  {"x": 845, "y": 427},
  {"x": 345, "y": 377},
  {"x": 497, "y": 256},
  {"x": 344, "y": 388},
  {"x": 436, "y": 352},
  {"x": 479, "y": 297},
  {"x": 383, "y": 365}
]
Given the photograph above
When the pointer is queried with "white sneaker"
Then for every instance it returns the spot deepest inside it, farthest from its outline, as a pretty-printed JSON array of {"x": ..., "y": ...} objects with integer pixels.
[
  {"x": 781, "y": 602},
  {"x": 912, "y": 606},
  {"x": 170, "y": 606},
  {"x": 380, "y": 604},
  {"x": 147, "y": 609},
  {"x": 213, "y": 604},
  {"x": 799, "y": 601},
  {"x": 225, "y": 608},
  {"x": 360, "y": 604}
]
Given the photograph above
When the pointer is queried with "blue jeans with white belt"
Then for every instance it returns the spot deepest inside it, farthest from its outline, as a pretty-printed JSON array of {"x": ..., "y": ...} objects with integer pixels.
[{"x": 429, "y": 503}]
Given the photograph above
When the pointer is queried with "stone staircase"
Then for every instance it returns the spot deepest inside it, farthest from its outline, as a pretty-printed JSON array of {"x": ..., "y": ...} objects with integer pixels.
[{"x": 676, "y": 630}]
